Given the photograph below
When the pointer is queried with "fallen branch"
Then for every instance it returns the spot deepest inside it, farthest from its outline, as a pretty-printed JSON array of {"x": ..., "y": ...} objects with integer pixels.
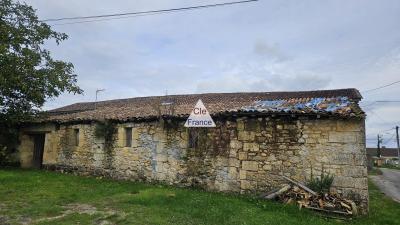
[
  {"x": 279, "y": 192},
  {"x": 300, "y": 185},
  {"x": 262, "y": 195}
]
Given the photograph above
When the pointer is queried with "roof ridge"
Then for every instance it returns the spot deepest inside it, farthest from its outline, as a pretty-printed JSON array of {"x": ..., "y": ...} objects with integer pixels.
[
  {"x": 331, "y": 102},
  {"x": 354, "y": 90}
]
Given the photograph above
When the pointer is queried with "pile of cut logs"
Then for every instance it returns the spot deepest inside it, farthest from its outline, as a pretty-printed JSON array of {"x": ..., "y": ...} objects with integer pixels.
[{"x": 327, "y": 203}]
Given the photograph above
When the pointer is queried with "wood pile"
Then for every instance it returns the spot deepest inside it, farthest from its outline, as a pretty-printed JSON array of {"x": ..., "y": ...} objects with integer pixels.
[{"x": 327, "y": 203}]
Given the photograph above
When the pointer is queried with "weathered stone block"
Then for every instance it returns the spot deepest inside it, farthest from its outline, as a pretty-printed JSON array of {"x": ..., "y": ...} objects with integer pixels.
[
  {"x": 355, "y": 171},
  {"x": 234, "y": 162},
  {"x": 245, "y": 185},
  {"x": 250, "y": 165},
  {"x": 311, "y": 141},
  {"x": 162, "y": 158},
  {"x": 346, "y": 182},
  {"x": 233, "y": 173},
  {"x": 361, "y": 183},
  {"x": 342, "y": 159},
  {"x": 349, "y": 126},
  {"x": 267, "y": 167},
  {"x": 360, "y": 159},
  {"x": 252, "y": 147},
  {"x": 242, "y": 155},
  {"x": 240, "y": 124},
  {"x": 235, "y": 144},
  {"x": 246, "y": 135},
  {"x": 342, "y": 137},
  {"x": 242, "y": 174},
  {"x": 271, "y": 158},
  {"x": 121, "y": 137}
]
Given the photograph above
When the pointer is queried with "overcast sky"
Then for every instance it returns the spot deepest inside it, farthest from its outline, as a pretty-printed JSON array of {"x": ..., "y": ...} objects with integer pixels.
[{"x": 261, "y": 46}]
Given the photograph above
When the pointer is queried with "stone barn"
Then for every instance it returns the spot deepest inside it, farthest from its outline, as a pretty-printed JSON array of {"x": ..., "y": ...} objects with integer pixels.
[{"x": 258, "y": 137}]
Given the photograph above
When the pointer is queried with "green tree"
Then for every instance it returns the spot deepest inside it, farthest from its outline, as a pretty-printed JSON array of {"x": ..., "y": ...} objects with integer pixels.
[{"x": 28, "y": 74}]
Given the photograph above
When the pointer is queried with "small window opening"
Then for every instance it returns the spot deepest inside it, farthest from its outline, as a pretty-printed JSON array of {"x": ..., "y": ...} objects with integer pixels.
[
  {"x": 193, "y": 138},
  {"x": 128, "y": 137},
  {"x": 76, "y": 137}
]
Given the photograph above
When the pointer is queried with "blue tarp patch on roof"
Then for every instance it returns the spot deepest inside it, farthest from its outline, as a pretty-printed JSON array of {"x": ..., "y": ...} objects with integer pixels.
[{"x": 303, "y": 105}]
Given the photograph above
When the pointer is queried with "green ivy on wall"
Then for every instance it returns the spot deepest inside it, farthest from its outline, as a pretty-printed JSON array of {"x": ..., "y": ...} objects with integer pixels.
[{"x": 107, "y": 130}]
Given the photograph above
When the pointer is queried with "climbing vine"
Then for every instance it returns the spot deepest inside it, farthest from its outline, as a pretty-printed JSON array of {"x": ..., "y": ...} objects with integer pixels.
[
  {"x": 209, "y": 141},
  {"x": 171, "y": 124},
  {"x": 107, "y": 130}
]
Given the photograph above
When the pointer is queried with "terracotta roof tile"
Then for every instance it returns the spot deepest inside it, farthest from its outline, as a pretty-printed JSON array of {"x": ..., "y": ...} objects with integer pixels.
[
  {"x": 216, "y": 103},
  {"x": 385, "y": 152}
]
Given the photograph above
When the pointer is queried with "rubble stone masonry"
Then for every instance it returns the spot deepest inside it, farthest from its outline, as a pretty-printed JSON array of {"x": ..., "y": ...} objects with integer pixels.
[{"x": 246, "y": 155}]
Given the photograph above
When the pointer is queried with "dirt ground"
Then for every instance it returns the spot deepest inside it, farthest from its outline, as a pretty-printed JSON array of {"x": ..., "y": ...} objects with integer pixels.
[{"x": 389, "y": 183}]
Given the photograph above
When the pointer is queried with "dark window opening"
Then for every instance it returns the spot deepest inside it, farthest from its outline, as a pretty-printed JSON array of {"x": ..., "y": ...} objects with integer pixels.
[
  {"x": 128, "y": 137},
  {"x": 76, "y": 137},
  {"x": 38, "y": 148},
  {"x": 193, "y": 138}
]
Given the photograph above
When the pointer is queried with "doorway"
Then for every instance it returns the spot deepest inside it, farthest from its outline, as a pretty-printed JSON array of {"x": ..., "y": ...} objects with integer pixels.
[{"x": 38, "y": 148}]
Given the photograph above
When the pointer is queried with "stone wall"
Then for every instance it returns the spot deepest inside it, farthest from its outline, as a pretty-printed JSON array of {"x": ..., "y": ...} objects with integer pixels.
[{"x": 239, "y": 155}]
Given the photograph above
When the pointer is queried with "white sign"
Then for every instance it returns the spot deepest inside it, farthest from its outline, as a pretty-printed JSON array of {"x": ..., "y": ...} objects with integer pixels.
[{"x": 199, "y": 117}]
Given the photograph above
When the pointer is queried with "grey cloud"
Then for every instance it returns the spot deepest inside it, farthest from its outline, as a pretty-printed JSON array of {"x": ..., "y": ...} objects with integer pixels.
[
  {"x": 260, "y": 77},
  {"x": 267, "y": 45},
  {"x": 271, "y": 51},
  {"x": 308, "y": 81},
  {"x": 274, "y": 83}
]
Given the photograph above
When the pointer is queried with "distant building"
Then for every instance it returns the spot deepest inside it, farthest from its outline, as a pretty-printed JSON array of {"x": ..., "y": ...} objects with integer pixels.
[
  {"x": 257, "y": 138},
  {"x": 388, "y": 156}
]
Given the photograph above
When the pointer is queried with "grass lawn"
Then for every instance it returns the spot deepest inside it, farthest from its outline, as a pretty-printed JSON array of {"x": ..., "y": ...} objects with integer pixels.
[
  {"x": 42, "y": 197},
  {"x": 390, "y": 167},
  {"x": 375, "y": 171}
]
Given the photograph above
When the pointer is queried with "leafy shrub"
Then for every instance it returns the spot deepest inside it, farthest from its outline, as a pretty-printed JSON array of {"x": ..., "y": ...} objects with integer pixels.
[
  {"x": 321, "y": 184},
  {"x": 7, "y": 157},
  {"x": 8, "y": 143}
]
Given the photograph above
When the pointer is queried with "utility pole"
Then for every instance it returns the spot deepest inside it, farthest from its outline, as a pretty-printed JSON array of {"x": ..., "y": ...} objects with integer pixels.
[
  {"x": 379, "y": 146},
  {"x": 398, "y": 145}
]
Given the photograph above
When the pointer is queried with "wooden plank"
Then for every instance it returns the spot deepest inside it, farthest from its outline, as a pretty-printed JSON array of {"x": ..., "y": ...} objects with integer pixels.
[
  {"x": 300, "y": 185},
  {"x": 269, "y": 192},
  {"x": 328, "y": 211},
  {"x": 279, "y": 192}
]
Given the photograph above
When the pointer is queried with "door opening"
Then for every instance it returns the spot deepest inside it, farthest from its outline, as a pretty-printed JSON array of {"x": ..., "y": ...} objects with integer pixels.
[{"x": 38, "y": 149}]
